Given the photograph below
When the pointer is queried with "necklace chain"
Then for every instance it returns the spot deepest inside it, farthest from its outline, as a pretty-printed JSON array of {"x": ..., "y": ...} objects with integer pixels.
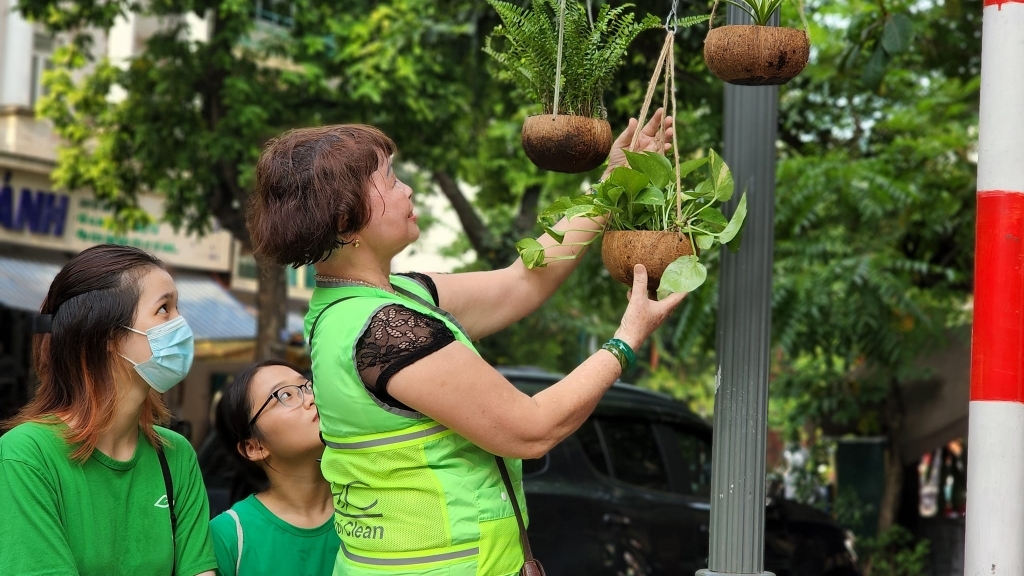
[{"x": 325, "y": 278}]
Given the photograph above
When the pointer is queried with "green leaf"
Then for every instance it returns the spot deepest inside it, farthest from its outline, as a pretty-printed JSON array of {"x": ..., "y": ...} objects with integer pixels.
[
  {"x": 897, "y": 34},
  {"x": 586, "y": 210},
  {"x": 532, "y": 252},
  {"x": 612, "y": 193},
  {"x": 737, "y": 221},
  {"x": 630, "y": 180},
  {"x": 704, "y": 190},
  {"x": 651, "y": 196},
  {"x": 690, "y": 165},
  {"x": 714, "y": 216},
  {"x": 721, "y": 177},
  {"x": 655, "y": 166},
  {"x": 684, "y": 274},
  {"x": 704, "y": 242},
  {"x": 874, "y": 70},
  {"x": 557, "y": 208},
  {"x": 557, "y": 235}
]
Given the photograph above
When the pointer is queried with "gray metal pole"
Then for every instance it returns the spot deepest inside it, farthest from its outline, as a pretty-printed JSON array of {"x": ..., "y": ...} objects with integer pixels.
[{"x": 744, "y": 334}]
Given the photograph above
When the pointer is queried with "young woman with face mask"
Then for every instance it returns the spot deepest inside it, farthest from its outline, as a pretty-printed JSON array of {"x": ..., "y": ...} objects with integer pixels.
[
  {"x": 267, "y": 421},
  {"x": 91, "y": 485}
]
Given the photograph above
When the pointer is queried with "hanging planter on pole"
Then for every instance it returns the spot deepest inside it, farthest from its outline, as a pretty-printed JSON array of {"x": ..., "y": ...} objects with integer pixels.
[
  {"x": 649, "y": 216},
  {"x": 564, "y": 62},
  {"x": 756, "y": 54}
]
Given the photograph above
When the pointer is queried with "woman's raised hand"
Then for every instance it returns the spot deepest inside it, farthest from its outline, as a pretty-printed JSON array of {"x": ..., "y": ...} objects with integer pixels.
[
  {"x": 648, "y": 139},
  {"x": 644, "y": 315}
]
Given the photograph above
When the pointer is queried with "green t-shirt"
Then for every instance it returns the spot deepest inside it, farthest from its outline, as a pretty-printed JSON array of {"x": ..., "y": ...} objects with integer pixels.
[
  {"x": 103, "y": 517},
  {"x": 271, "y": 546}
]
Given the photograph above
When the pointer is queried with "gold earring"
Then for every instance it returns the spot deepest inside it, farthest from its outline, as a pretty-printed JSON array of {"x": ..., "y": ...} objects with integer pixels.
[{"x": 355, "y": 244}]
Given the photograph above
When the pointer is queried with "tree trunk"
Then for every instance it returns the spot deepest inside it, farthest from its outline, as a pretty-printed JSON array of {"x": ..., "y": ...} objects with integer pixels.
[
  {"x": 893, "y": 413},
  {"x": 476, "y": 229},
  {"x": 272, "y": 307}
]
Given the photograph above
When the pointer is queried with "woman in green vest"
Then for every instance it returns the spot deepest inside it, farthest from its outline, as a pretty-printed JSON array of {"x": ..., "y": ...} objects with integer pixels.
[
  {"x": 412, "y": 418},
  {"x": 267, "y": 423},
  {"x": 89, "y": 485}
]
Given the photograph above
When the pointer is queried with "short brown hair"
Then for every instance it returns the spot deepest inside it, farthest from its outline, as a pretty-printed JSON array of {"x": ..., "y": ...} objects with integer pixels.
[{"x": 311, "y": 189}]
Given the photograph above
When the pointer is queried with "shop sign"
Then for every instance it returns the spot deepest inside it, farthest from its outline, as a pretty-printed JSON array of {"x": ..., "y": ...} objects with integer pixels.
[{"x": 33, "y": 215}]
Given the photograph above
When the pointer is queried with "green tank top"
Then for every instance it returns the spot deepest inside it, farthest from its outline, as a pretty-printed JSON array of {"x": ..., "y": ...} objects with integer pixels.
[{"x": 410, "y": 496}]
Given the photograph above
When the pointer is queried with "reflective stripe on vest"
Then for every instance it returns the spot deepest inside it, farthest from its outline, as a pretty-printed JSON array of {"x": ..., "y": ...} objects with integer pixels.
[
  {"x": 410, "y": 560},
  {"x": 388, "y": 440}
]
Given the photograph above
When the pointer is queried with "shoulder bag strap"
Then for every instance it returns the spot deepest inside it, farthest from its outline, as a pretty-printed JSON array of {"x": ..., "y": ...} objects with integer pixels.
[
  {"x": 523, "y": 538},
  {"x": 169, "y": 489}
]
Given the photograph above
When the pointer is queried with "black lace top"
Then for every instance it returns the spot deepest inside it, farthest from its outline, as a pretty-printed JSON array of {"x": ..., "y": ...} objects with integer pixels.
[{"x": 395, "y": 338}]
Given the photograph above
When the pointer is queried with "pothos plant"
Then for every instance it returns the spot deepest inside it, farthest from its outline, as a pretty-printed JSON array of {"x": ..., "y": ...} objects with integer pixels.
[{"x": 644, "y": 196}]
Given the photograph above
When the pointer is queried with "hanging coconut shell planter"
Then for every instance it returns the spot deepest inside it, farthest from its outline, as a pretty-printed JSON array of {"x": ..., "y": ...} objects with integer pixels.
[
  {"x": 572, "y": 135},
  {"x": 756, "y": 54},
  {"x": 566, "y": 143},
  {"x": 621, "y": 250}
]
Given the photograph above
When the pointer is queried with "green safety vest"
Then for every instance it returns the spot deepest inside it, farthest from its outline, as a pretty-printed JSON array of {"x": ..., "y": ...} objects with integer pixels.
[{"x": 410, "y": 496}]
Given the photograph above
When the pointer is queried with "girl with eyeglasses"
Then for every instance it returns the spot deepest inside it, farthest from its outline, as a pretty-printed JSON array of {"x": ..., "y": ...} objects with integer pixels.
[
  {"x": 89, "y": 484},
  {"x": 267, "y": 421}
]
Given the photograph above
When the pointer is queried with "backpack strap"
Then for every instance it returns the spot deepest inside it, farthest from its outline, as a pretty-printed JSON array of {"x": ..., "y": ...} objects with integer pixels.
[
  {"x": 240, "y": 537},
  {"x": 169, "y": 490}
]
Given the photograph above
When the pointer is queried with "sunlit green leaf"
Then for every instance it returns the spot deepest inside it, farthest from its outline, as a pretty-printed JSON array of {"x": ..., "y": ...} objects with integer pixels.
[
  {"x": 684, "y": 274},
  {"x": 531, "y": 251}
]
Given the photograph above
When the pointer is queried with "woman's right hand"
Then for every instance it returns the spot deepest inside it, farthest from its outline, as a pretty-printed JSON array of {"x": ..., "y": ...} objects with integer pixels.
[{"x": 644, "y": 315}]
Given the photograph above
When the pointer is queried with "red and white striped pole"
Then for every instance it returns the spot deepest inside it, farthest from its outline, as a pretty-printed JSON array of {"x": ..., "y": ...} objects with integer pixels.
[{"x": 995, "y": 471}]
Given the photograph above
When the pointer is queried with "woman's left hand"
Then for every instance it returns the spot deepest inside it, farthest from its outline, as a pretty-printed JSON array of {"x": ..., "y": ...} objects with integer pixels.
[{"x": 648, "y": 139}]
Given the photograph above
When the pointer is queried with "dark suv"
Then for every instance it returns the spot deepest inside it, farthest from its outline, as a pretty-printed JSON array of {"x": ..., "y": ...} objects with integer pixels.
[{"x": 628, "y": 493}]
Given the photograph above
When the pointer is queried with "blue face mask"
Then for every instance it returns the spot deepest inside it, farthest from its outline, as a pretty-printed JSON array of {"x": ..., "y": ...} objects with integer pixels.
[{"x": 173, "y": 351}]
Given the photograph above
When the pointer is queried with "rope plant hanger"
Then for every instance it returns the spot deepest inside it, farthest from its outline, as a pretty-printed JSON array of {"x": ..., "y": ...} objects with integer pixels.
[
  {"x": 757, "y": 54},
  {"x": 621, "y": 249}
]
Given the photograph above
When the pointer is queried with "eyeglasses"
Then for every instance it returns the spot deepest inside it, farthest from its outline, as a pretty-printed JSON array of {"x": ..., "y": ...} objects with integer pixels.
[{"x": 291, "y": 396}]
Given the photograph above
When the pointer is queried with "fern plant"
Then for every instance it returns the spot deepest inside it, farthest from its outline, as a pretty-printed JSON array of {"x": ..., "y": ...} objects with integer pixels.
[{"x": 526, "y": 46}]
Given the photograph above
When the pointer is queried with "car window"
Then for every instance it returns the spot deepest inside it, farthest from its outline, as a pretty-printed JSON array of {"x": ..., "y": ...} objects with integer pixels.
[
  {"x": 588, "y": 436},
  {"x": 633, "y": 451},
  {"x": 535, "y": 466},
  {"x": 695, "y": 452}
]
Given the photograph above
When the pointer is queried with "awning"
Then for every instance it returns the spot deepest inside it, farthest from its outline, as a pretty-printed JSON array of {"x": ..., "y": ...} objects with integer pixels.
[{"x": 210, "y": 309}]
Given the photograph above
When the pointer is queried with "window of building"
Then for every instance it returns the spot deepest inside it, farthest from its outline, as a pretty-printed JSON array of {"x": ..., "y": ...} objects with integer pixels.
[
  {"x": 247, "y": 267},
  {"x": 277, "y": 12},
  {"x": 42, "y": 53}
]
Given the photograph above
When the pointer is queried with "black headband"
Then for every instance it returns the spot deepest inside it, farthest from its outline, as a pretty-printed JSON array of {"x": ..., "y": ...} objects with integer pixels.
[{"x": 42, "y": 323}]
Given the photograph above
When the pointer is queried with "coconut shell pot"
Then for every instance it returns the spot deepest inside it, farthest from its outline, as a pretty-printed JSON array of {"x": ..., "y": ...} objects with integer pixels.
[
  {"x": 751, "y": 55},
  {"x": 623, "y": 249},
  {"x": 566, "y": 143}
]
